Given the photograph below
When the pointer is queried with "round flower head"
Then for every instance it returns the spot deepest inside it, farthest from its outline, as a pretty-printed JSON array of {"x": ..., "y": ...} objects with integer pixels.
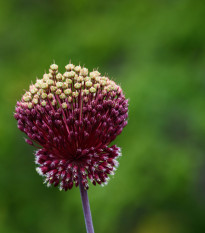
[{"x": 73, "y": 117}]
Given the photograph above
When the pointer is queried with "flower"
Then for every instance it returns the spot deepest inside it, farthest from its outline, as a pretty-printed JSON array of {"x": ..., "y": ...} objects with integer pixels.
[{"x": 73, "y": 118}]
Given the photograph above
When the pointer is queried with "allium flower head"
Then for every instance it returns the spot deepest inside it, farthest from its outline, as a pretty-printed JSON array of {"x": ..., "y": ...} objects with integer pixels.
[{"x": 72, "y": 118}]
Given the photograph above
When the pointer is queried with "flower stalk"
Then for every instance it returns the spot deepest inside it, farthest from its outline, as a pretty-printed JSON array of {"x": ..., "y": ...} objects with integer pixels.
[
  {"x": 86, "y": 207},
  {"x": 71, "y": 119}
]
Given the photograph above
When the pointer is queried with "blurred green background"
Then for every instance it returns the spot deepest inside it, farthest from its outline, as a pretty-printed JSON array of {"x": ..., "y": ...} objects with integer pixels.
[{"x": 156, "y": 50}]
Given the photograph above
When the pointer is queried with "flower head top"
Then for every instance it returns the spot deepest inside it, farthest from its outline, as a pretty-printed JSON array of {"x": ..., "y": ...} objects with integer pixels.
[{"x": 73, "y": 117}]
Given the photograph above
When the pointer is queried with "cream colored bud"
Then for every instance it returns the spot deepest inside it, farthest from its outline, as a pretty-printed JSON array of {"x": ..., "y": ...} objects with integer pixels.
[
  {"x": 69, "y": 67},
  {"x": 35, "y": 101},
  {"x": 26, "y": 98},
  {"x": 53, "y": 102},
  {"x": 45, "y": 77},
  {"x": 94, "y": 74},
  {"x": 77, "y": 68},
  {"x": 97, "y": 73},
  {"x": 62, "y": 96},
  {"x": 67, "y": 91},
  {"x": 70, "y": 74},
  {"x": 68, "y": 81},
  {"x": 77, "y": 85},
  {"x": 43, "y": 103},
  {"x": 50, "y": 75},
  {"x": 84, "y": 72},
  {"x": 64, "y": 105},
  {"x": 59, "y": 76},
  {"x": 38, "y": 83},
  {"x": 80, "y": 79},
  {"x": 70, "y": 99},
  {"x": 40, "y": 91},
  {"x": 86, "y": 92},
  {"x": 43, "y": 95},
  {"x": 53, "y": 88},
  {"x": 75, "y": 94},
  {"x": 50, "y": 96},
  {"x": 92, "y": 90},
  {"x": 97, "y": 79},
  {"x": 54, "y": 67},
  {"x": 88, "y": 84},
  {"x": 97, "y": 86},
  {"x": 44, "y": 85},
  {"x": 33, "y": 89},
  {"x": 102, "y": 83},
  {"x": 65, "y": 85},
  {"x": 50, "y": 82},
  {"x": 59, "y": 84},
  {"x": 58, "y": 91},
  {"x": 36, "y": 96},
  {"x": 30, "y": 105},
  {"x": 87, "y": 79}
]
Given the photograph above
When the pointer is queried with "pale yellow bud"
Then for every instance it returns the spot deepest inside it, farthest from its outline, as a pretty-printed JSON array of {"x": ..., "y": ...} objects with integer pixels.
[
  {"x": 30, "y": 105},
  {"x": 59, "y": 76},
  {"x": 26, "y": 98},
  {"x": 64, "y": 105},
  {"x": 54, "y": 67},
  {"x": 69, "y": 67},
  {"x": 33, "y": 89},
  {"x": 43, "y": 103},
  {"x": 92, "y": 90},
  {"x": 67, "y": 91},
  {"x": 53, "y": 88},
  {"x": 79, "y": 79},
  {"x": 86, "y": 92},
  {"x": 50, "y": 82},
  {"x": 35, "y": 101},
  {"x": 45, "y": 77},
  {"x": 38, "y": 83},
  {"x": 68, "y": 81},
  {"x": 50, "y": 75},
  {"x": 70, "y": 74},
  {"x": 44, "y": 85},
  {"x": 59, "y": 84},
  {"x": 94, "y": 74},
  {"x": 36, "y": 96},
  {"x": 97, "y": 86},
  {"x": 87, "y": 78},
  {"x": 62, "y": 96},
  {"x": 84, "y": 72},
  {"x": 50, "y": 96},
  {"x": 43, "y": 95},
  {"x": 53, "y": 102},
  {"x": 77, "y": 85},
  {"x": 77, "y": 68},
  {"x": 88, "y": 84},
  {"x": 58, "y": 91},
  {"x": 75, "y": 94},
  {"x": 103, "y": 82},
  {"x": 65, "y": 85},
  {"x": 70, "y": 99}
]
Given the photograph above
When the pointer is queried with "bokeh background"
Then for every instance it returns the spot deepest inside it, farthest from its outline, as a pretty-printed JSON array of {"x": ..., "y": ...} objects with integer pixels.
[{"x": 156, "y": 50}]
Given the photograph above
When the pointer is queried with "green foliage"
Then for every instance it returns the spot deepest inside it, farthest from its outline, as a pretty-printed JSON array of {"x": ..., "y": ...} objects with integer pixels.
[{"x": 155, "y": 50}]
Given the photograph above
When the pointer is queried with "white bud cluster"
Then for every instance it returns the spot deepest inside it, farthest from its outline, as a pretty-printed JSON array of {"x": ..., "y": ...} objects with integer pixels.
[{"x": 74, "y": 82}]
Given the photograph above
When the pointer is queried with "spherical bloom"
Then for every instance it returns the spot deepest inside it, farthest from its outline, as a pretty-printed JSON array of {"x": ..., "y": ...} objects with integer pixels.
[{"x": 73, "y": 117}]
